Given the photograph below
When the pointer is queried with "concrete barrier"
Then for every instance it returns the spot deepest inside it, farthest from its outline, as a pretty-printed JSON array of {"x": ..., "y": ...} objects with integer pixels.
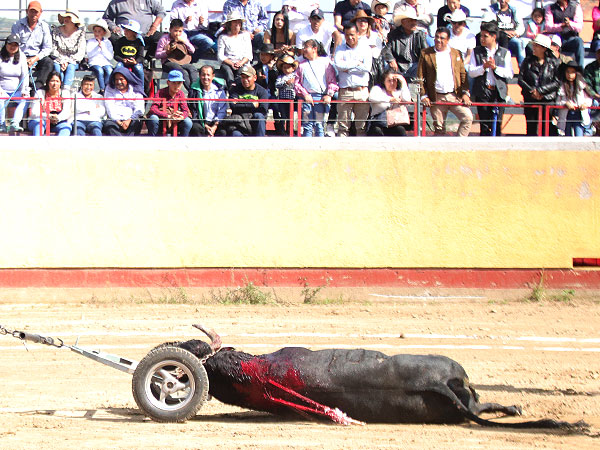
[{"x": 298, "y": 203}]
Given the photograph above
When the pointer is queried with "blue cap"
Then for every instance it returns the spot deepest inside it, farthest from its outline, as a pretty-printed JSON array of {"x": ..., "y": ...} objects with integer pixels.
[
  {"x": 175, "y": 75},
  {"x": 596, "y": 46}
]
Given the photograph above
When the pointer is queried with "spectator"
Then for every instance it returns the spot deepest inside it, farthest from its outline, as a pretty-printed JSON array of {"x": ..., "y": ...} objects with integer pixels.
[
  {"x": 556, "y": 45},
  {"x": 423, "y": 10},
  {"x": 266, "y": 72},
  {"x": 286, "y": 90},
  {"x": 124, "y": 105},
  {"x": 511, "y": 28},
  {"x": 56, "y": 106},
  {"x": 68, "y": 46},
  {"x": 534, "y": 26},
  {"x": 194, "y": 15},
  {"x": 149, "y": 14},
  {"x": 14, "y": 82},
  {"x": 353, "y": 61},
  {"x": 234, "y": 47},
  {"x": 364, "y": 25},
  {"x": 280, "y": 35},
  {"x": 595, "y": 24},
  {"x": 573, "y": 120},
  {"x": 345, "y": 10},
  {"x": 565, "y": 18},
  {"x": 256, "y": 18},
  {"x": 445, "y": 80},
  {"x": 490, "y": 68},
  {"x": 247, "y": 118},
  {"x": 100, "y": 53},
  {"x": 129, "y": 50},
  {"x": 388, "y": 115},
  {"x": 461, "y": 37},
  {"x": 538, "y": 80},
  {"x": 298, "y": 12},
  {"x": 321, "y": 31},
  {"x": 381, "y": 25},
  {"x": 90, "y": 109},
  {"x": 209, "y": 116},
  {"x": 171, "y": 108},
  {"x": 591, "y": 74},
  {"x": 315, "y": 82},
  {"x": 175, "y": 51},
  {"x": 36, "y": 42},
  {"x": 443, "y": 15},
  {"x": 404, "y": 45}
]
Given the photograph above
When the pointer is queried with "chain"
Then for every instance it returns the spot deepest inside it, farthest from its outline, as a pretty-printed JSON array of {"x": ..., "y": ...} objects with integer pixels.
[{"x": 36, "y": 338}]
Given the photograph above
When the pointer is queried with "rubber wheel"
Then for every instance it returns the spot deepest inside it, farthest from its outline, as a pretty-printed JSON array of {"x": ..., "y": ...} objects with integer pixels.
[{"x": 170, "y": 384}]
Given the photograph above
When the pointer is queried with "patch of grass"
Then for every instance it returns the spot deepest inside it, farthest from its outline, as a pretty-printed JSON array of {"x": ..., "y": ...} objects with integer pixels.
[
  {"x": 175, "y": 296},
  {"x": 539, "y": 293},
  {"x": 248, "y": 294},
  {"x": 309, "y": 295}
]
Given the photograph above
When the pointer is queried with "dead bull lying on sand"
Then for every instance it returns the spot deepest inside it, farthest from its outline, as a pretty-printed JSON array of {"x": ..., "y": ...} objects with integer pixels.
[{"x": 366, "y": 385}]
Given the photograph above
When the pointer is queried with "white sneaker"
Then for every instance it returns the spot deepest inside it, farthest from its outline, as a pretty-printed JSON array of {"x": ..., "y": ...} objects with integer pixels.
[{"x": 330, "y": 132}]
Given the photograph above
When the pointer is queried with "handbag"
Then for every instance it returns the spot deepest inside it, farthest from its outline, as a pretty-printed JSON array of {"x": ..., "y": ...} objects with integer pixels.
[{"x": 397, "y": 115}]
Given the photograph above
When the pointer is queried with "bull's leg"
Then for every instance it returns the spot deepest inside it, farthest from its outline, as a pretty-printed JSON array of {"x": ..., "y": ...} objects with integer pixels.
[{"x": 479, "y": 408}]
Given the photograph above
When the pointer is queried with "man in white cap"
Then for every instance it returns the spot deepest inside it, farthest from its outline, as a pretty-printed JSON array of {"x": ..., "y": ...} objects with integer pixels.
[
  {"x": 556, "y": 44},
  {"x": 461, "y": 37},
  {"x": 443, "y": 78},
  {"x": 404, "y": 44},
  {"x": 36, "y": 42}
]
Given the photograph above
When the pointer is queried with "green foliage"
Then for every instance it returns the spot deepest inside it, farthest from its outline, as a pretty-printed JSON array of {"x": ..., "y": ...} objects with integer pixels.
[
  {"x": 309, "y": 295},
  {"x": 539, "y": 293},
  {"x": 247, "y": 295}
]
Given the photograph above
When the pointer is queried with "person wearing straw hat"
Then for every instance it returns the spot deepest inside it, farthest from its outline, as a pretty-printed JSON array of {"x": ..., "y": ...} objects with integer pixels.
[
  {"x": 36, "y": 42},
  {"x": 100, "y": 52},
  {"x": 379, "y": 9},
  {"x": 68, "y": 46},
  {"x": 286, "y": 89},
  {"x": 461, "y": 37},
  {"x": 538, "y": 80},
  {"x": 423, "y": 10},
  {"x": 364, "y": 25},
  {"x": 490, "y": 68},
  {"x": 444, "y": 13},
  {"x": 14, "y": 82},
  {"x": 234, "y": 47},
  {"x": 404, "y": 44},
  {"x": 256, "y": 19}
]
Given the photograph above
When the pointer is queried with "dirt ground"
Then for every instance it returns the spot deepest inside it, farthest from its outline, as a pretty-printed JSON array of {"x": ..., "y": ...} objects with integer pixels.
[{"x": 542, "y": 356}]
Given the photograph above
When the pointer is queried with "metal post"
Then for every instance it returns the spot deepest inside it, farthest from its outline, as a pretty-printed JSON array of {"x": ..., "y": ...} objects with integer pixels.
[
  {"x": 291, "y": 119},
  {"x": 299, "y": 133}
]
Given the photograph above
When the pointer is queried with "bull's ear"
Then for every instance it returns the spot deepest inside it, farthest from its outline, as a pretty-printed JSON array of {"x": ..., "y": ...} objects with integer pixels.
[{"x": 215, "y": 339}]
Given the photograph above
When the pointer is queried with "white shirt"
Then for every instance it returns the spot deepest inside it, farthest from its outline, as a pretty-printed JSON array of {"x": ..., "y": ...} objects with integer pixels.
[
  {"x": 198, "y": 8},
  {"x": 324, "y": 35},
  {"x": 99, "y": 54},
  {"x": 353, "y": 64},
  {"x": 444, "y": 81},
  {"x": 122, "y": 109},
  {"x": 235, "y": 47},
  {"x": 90, "y": 109},
  {"x": 463, "y": 43},
  {"x": 504, "y": 71}
]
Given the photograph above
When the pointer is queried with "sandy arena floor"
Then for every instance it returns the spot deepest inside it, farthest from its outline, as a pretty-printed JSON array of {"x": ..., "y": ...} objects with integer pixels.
[{"x": 542, "y": 356}]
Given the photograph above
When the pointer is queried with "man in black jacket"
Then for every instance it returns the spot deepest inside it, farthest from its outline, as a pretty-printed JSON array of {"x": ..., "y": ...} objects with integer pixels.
[
  {"x": 248, "y": 118},
  {"x": 404, "y": 45},
  {"x": 490, "y": 68}
]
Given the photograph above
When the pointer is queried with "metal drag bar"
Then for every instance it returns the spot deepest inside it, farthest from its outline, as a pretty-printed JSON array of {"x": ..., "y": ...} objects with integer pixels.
[{"x": 114, "y": 361}]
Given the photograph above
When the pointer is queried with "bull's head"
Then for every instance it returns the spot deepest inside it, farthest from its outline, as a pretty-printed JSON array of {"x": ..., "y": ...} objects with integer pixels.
[{"x": 200, "y": 348}]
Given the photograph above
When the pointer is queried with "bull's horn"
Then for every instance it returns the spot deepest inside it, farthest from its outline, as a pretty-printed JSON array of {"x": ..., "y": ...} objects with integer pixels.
[{"x": 215, "y": 339}]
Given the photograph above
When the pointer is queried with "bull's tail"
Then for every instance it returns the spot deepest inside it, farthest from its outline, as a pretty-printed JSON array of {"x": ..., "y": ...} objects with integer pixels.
[{"x": 552, "y": 424}]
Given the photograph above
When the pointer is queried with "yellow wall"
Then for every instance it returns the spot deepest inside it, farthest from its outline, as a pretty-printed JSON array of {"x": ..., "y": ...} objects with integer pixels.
[{"x": 162, "y": 202}]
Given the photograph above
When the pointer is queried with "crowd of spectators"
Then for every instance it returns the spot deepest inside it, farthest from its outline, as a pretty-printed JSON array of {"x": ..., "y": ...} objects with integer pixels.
[{"x": 352, "y": 73}]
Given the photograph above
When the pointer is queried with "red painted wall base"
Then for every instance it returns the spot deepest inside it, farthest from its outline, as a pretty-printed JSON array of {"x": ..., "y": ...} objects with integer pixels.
[{"x": 297, "y": 277}]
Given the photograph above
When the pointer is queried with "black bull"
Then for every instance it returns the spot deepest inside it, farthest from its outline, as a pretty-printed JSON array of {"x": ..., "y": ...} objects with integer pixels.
[{"x": 366, "y": 385}]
